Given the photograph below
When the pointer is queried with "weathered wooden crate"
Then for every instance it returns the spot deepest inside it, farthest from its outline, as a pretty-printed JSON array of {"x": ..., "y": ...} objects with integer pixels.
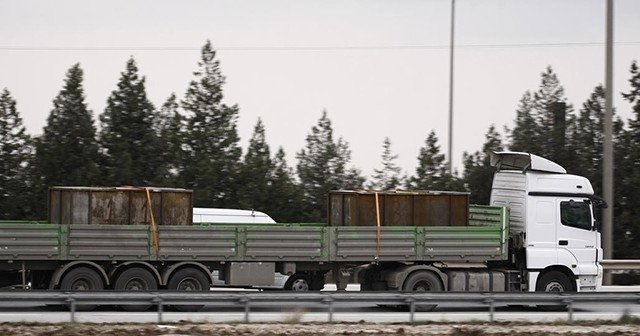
[
  {"x": 398, "y": 208},
  {"x": 120, "y": 206}
]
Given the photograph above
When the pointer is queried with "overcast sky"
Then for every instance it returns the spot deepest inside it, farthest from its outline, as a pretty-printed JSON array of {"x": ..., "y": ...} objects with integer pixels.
[{"x": 380, "y": 68}]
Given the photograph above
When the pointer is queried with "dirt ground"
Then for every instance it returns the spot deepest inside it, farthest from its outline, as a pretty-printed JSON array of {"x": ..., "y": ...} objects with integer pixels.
[{"x": 509, "y": 329}]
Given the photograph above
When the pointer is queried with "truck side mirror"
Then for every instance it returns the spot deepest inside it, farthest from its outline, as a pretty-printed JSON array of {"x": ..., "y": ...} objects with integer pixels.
[{"x": 599, "y": 202}]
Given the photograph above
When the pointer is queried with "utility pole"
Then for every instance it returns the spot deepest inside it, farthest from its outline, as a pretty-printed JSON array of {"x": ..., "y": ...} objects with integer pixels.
[
  {"x": 450, "y": 163},
  {"x": 607, "y": 171}
]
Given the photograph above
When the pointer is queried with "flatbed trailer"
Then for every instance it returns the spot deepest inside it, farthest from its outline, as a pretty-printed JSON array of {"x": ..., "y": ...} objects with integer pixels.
[
  {"x": 214, "y": 246},
  {"x": 539, "y": 234}
]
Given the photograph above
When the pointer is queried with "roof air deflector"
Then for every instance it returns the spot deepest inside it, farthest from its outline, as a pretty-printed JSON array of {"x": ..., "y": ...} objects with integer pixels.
[{"x": 524, "y": 161}]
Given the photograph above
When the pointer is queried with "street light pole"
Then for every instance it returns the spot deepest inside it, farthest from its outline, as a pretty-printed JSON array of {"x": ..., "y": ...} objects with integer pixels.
[
  {"x": 607, "y": 171},
  {"x": 450, "y": 163}
]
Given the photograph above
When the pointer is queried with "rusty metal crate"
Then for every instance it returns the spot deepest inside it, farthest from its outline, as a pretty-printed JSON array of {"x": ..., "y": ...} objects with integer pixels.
[
  {"x": 120, "y": 206},
  {"x": 398, "y": 208}
]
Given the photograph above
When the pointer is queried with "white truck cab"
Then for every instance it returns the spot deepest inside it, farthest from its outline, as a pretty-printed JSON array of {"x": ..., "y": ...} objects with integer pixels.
[{"x": 552, "y": 221}]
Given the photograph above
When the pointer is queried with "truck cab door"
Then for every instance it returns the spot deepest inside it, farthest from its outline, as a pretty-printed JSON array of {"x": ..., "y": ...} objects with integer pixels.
[{"x": 577, "y": 239}]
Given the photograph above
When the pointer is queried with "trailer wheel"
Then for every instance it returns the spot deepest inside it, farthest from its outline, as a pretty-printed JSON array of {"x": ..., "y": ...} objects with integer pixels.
[
  {"x": 297, "y": 282},
  {"x": 553, "y": 281},
  {"x": 136, "y": 279},
  {"x": 423, "y": 281},
  {"x": 82, "y": 279},
  {"x": 188, "y": 279}
]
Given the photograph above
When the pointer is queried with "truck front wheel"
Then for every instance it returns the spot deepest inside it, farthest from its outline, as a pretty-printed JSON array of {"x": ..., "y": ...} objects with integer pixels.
[
  {"x": 423, "y": 281},
  {"x": 553, "y": 281}
]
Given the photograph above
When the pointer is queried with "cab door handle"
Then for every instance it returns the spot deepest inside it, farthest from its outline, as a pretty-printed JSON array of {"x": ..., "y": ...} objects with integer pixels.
[{"x": 563, "y": 242}]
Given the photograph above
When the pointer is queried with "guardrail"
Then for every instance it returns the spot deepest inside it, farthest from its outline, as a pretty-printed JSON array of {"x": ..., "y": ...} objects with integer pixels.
[
  {"x": 620, "y": 264},
  {"x": 249, "y": 299}
]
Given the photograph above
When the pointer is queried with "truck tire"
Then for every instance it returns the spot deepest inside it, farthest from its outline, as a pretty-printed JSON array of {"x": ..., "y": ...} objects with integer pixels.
[
  {"x": 423, "y": 281},
  {"x": 136, "y": 279},
  {"x": 553, "y": 281},
  {"x": 82, "y": 279},
  {"x": 188, "y": 279},
  {"x": 298, "y": 282}
]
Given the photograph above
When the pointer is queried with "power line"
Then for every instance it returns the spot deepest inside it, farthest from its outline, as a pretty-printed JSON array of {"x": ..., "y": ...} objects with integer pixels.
[{"x": 317, "y": 48}]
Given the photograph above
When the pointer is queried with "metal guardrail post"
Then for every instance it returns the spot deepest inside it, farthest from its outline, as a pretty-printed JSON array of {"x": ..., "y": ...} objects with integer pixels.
[
  {"x": 246, "y": 302},
  {"x": 412, "y": 309},
  {"x": 329, "y": 302},
  {"x": 569, "y": 303},
  {"x": 492, "y": 309},
  {"x": 157, "y": 300},
  {"x": 72, "y": 309}
]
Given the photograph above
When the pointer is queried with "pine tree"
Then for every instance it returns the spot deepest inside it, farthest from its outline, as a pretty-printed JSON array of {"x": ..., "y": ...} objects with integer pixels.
[
  {"x": 478, "y": 173},
  {"x": 127, "y": 136},
  {"x": 15, "y": 150},
  {"x": 587, "y": 137},
  {"x": 430, "y": 163},
  {"x": 633, "y": 97},
  {"x": 212, "y": 153},
  {"x": 255, "y": 172},
  {"x": 322, "y": 167},
  {"x": 170, "y": 129},
  {"x": 67, "y": 152},
  {"x": 543, "y": 120},
  {"x": 285, "y": 196},
  {"x": 388, "y": 177},
  {"x": 549, "y": 92},
  {"x": 525, "y": 136},
  {"x": 627, "y": 176},
  {"x": 553, "y": 115},
  {"x": 431, "y": 173}
]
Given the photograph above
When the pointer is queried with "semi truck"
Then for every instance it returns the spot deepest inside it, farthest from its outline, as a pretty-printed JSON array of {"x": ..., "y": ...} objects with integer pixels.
[{"x": 538, "y": 234}]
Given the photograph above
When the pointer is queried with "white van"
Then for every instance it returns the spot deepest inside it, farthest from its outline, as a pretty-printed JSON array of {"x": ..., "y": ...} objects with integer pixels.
[{"x": 217, "y": 215}]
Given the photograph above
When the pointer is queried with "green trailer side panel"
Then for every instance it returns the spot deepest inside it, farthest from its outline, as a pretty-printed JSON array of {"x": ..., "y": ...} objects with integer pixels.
[
  {"x": 198, "y": 242},
  {"x": 29, "y": 241},
  {"x": 360, "y": 243},
  {"x": 470, "y": 244},
  {"x": 486, "y": 238},
  {"x": 285, "y": 243},
  {"x": 108, "y": 242}
]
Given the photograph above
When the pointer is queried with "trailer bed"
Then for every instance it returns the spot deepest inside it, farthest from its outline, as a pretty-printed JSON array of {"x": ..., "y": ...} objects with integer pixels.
[{"x": 484, "y": 239}]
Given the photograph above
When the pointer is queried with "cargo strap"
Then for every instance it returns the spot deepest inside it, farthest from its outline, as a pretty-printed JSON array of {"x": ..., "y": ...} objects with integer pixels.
[
  {"x": 377, "y": 227},
  {"x": 154, "y": 227}
]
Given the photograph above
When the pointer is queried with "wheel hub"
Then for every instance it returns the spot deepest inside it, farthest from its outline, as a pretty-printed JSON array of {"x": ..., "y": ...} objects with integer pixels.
[
  {"x": 81, "y": 285},
  {"x": 136, "y": 284},
  {"x": 189, "y": 284},
  {"x": 300, "y": 285},
  {"x": 554, "y": 286}
]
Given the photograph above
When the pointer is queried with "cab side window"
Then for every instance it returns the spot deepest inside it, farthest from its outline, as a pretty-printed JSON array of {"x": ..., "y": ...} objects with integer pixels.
[{"x": 576, "y": 214}]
